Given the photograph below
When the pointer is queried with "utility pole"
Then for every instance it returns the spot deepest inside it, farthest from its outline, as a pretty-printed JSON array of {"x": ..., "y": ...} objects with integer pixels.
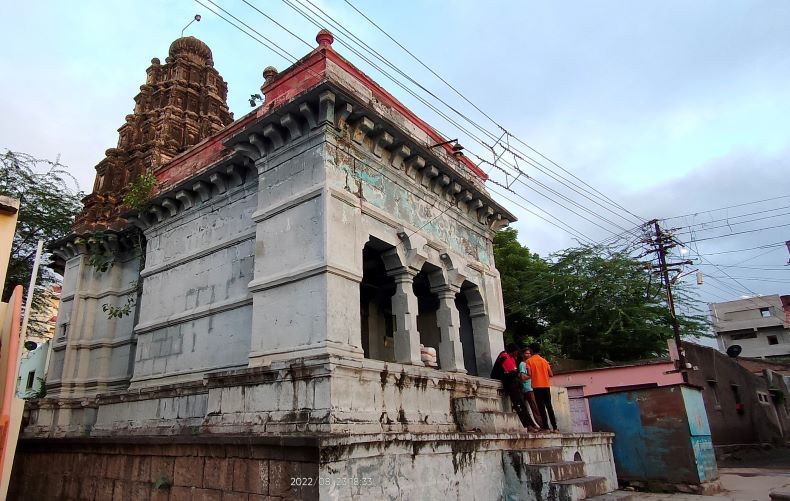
[{"x": 664, "y": 243}]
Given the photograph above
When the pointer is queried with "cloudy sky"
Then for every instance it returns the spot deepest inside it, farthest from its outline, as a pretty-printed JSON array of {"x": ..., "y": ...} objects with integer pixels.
[{"x": 667, "y": 108}]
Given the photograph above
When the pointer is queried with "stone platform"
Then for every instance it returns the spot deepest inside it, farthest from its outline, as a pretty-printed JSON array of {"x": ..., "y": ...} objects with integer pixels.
[
  {"x": 393, "y": 466},
  {"x": 316, "y": 428}
]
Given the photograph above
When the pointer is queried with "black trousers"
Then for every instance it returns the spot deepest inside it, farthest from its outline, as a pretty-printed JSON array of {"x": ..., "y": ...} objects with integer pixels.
[
  {"x": 543, "y": 398},
  {"x": 513, "y": 390}
]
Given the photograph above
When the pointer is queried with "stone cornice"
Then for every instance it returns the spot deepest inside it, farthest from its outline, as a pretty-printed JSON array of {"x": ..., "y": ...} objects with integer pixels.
[
  {"x": 356, "y": 127},
  {"x": 224, "y": 176}
]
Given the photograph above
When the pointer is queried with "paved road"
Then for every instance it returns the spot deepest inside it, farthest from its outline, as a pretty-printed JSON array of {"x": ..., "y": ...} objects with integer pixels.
[{"x": 739, "y": 484}]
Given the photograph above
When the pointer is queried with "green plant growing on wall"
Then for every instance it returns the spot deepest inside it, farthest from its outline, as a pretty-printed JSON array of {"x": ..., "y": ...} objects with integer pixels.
[
  {"x": 136, "y": 197},
  {"x": 162, "y": 483},
  {"x": 119, "y": 311},
  {"x": 39, "y": 392},
  {"x": 139, "y": 191}
]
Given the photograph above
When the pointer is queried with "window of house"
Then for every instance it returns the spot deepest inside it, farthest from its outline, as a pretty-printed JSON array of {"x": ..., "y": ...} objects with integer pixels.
[
  {"x": 31, "y": 378},
  {"x": 765, "y": 312},
  {"x": 714, "y": 390},
  {"x": 736, "y": 393},
  {"x": 744, "y": 335},
  {"x": 64, "y": 329},
  {"x": 773, "y": 340}
]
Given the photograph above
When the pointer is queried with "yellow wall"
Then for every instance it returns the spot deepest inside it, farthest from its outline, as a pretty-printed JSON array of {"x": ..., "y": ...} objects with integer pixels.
[{"x": 8, "y": 213}]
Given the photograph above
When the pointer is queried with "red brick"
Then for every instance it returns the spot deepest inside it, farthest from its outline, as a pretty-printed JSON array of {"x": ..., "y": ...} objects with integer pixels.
[
  {"x": 122, "y": 491},
  {"x": 115, "y": 466},
  {"x": 87, "y": 487},
  {"x": 251, "y": 475},
  {"x": 140, "y": 467},
  {"x": 104, "y": 489},
  {"x": 162, "y": 465},
  {"x": 179, "y": 493},
  {"x": 71, "y": 487},
  {"x": 141, "y": 490},
  {"x": 53, "y": 486},
  {"x": 160, "y": 494},
  {"x": 188, "y": 472},
  {"x": 235, "y": 496},
  {"x": 281, "y": 474},
  {"x": 206, "y": 495},
  {"x": 218, "y": 474}
]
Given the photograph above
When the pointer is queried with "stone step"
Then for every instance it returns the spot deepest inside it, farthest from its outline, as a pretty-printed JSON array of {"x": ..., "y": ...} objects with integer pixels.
[
  {"x": 555, "y": 472},
  {"x": 544, "y": 455},
  {"x": 489, "y": 422},
  {"x": 580, "y": 488},
  {"x": 479, "y": 404}
]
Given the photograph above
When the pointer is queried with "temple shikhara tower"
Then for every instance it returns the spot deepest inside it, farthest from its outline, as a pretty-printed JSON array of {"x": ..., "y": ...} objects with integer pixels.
[{"x": 262, "y": 325}]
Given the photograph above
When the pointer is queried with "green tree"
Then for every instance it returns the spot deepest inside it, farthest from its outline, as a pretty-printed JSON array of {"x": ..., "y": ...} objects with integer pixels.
[
  {"x": 523, "y": 274},
  {"x": 587, "y": 303},
  {"x": 49, "y": 200}
]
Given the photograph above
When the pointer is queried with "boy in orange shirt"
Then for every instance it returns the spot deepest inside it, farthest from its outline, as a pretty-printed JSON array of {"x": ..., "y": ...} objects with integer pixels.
[{"x": 540, "y": 372}]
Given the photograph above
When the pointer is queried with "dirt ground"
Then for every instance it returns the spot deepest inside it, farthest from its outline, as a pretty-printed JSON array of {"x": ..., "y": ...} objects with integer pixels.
[{"x": 769, "y": 458}]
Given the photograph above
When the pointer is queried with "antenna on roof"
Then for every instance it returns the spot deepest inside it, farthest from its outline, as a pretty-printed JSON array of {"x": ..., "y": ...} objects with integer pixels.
[{"x": 196, "y": 18}]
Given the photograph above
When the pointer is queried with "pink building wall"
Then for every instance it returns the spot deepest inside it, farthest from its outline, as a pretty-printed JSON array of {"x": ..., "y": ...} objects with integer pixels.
[{"x": 596, "y": 381}]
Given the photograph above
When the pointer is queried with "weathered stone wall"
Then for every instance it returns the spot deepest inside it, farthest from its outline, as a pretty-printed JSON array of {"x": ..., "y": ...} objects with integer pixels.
[
  {"x": 400, "y": 466},
  {"x": 196, "y": 310},
  {"x": 173, "y": 472},
  {"x": 92, "y": 353},
  {"x": 462, "y": 466}
]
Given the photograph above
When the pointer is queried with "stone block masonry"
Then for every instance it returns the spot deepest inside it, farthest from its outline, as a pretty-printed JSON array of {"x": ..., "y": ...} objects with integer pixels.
[
  {"x": 364, "y": 467},
  {"x": 175, "y": 472}
]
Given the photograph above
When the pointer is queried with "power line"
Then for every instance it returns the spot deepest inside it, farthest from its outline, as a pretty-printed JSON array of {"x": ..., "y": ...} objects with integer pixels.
[
  {"x": 329, "y": 19},
  {"x": 728, "y": 225},
  {"x": 604, "y": 197},
  {"x": 269, "y": 44},
  {"x": 307, "y": 16},
  {"x": 741, "y": 232},
  {"x": 574, "y": 232},
  {"x": 728, "y": 207},
  {"x": 778, "y": 244}
]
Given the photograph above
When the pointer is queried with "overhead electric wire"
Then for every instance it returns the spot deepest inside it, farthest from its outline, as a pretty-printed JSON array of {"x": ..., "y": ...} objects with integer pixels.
[
  {"x": 728, "y": 207},
  {"x": 729, "y": 225},
  {"x": 273, "y": 47},
  {"x": 735, "y": 216},
  {"x": 558, "y": 203},
  {"x": 777, "y": 244},
  {"x": 306, "y": 16},
  {"x": 604, "y": 197},
  {"x": 741, "y": 232},
  {"x": 572, "y": 231},
  {"x": 294, "y": 59},
  {"x": 345, "y": 32}
]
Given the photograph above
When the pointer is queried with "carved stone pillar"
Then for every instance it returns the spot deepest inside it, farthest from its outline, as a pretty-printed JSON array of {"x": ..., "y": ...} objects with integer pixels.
[
  {"x": 451, "y": 355},
  {"x": 484, "y": 351},
  {"x": 404, "y": 311}
]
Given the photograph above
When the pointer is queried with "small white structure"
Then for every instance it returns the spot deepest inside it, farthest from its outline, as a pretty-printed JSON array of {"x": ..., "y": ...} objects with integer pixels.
[{"x": 759, "y": 325}]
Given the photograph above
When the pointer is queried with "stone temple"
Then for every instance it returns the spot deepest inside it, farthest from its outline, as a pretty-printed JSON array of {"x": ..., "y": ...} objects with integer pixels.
[{"x": 254, "y": 330}]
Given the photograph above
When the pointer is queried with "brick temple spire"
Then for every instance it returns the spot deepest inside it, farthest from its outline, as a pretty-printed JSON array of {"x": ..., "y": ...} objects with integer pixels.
[{"x": 181, "y": 103}]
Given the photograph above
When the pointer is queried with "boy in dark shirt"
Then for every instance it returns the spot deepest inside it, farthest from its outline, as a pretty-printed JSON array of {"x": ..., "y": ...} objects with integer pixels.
[{"x": 512, "y": 383}]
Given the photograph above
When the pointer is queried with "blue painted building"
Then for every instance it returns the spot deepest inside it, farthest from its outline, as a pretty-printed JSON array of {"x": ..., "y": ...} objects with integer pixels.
[{"x": 662, "y": 438}]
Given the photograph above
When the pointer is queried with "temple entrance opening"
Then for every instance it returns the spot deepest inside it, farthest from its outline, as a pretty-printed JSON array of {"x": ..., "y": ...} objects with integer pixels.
[{"x": 375, "y": 293}]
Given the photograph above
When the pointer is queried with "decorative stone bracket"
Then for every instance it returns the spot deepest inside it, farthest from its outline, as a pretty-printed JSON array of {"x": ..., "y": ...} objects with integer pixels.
[
  {"x": 216, "y": 181},
  {"x": 386, "y": 143}
]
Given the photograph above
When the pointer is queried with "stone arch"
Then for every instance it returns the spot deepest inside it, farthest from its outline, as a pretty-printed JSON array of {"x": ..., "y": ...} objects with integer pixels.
[
  {"x": 477, "y": 338},
  {"x": 375, "y": 293}
]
